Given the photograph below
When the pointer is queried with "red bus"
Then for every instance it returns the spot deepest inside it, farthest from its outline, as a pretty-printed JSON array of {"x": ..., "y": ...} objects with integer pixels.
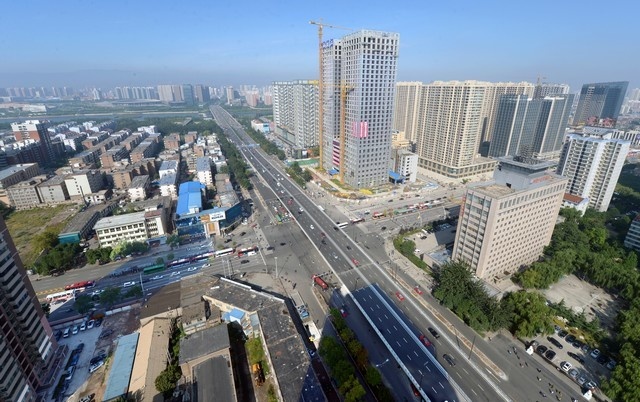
[
  {"x": 80, "y": 285},
  {"x": 320, "y": 282},
  {"x": 378, "y": 215},
  {"x": 247, "y": 251}
]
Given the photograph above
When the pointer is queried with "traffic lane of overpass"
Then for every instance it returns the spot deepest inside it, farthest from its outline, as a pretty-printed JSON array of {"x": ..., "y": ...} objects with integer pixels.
[{"x": 404, "y": 342}]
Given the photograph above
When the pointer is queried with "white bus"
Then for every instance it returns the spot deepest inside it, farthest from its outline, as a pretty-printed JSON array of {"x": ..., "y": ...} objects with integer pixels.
[
  {"x": 223, "y": 252},
  {"x": 343, "y": 225},
  {"x": 61, "y": 296}
]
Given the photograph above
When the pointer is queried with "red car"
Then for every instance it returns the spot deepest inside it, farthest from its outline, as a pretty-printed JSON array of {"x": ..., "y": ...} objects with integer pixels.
[
  {"x": 424, "y": 340},
  {"x": 355, "y": 262},
  {"x": 418, "y": 290},
  {"x": 399, "y": 296}
]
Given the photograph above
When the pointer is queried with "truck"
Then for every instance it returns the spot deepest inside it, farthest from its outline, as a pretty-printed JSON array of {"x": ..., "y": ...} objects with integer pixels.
[{"x": 320, "y": 282}]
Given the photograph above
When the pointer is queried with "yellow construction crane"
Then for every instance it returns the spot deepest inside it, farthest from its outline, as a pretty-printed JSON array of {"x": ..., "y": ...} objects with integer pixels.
[
  {"x": 345, "y": 89},
  {"x": 320, "y": 26}
]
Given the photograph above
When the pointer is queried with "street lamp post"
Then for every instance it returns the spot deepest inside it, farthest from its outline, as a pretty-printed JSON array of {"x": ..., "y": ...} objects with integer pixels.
[{"x": 276, "y": 266}]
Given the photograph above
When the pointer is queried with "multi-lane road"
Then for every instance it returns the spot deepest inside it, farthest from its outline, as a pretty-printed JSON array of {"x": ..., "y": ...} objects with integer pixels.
[{"x": 483, "y": 370}]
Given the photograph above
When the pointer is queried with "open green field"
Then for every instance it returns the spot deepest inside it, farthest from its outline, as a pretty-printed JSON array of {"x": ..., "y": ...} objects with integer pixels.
[{"x": 25, "y": 225}]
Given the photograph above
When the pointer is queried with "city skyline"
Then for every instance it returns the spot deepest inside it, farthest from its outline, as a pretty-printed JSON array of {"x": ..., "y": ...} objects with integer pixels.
[{"x": 119, "y": 43}]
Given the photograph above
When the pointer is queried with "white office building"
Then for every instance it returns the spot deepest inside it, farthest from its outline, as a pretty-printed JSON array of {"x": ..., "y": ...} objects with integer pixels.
[
  {"x": 593, "y": 163},
  {"x": 359, "y": 73}
]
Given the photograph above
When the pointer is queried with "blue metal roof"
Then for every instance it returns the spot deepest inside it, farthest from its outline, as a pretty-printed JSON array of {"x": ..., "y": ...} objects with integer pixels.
[
  {"x": 333, "y": 172},
  {"x": 395, "y": 176},
  {"x": 120, "y": 373},
  {"x": 189, "y": 197}
]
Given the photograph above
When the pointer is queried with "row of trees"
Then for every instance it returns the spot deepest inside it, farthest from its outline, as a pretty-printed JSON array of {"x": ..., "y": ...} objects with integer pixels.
[
  {"x": 238, "y": 168},
  {"x": 302, "y": 177},
  {"x": 111, "y": 295},
  {"x": 167, "y": 379},
  {"x": 266, "y": 145},
  {"x": 343, "y": 371}
]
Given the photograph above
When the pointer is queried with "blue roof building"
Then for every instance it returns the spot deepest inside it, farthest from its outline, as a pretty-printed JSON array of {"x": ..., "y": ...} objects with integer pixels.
[
  {"x": 190, "y": 198},
  {"x": 120, "y": 373}
]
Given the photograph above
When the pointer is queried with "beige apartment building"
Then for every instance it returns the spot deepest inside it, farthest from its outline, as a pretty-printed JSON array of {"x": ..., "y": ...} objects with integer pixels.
[
  {"x": 136, "y": 226},
  {"x": 506, "y": 224}
]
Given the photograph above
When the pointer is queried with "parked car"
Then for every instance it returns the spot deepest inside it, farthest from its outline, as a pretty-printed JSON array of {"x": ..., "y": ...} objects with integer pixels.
[
  {"x": 566, "y": 366},
  {"x": 612, "y": 364},
  {"x": 96, "y": 366},
  {"x": 595, "y": 353},
  {"x": 90, "y": 324},
  {"x": 575, "y": 357},
  {"x": 80, "y": 347},
  {"x": 550, "y": 355},
  {"x": 555, "y": 342},
  {"x": 573, "y": 373},
  {"x": 70, "y": 372},
  {"x": 75, "y": 330},
  {"x": 562, "y": 333},
  {"x": 541, "y": 350},
  {"x": 87, "y": 398},
  {"x": 98, "y": 322},
  {"x": 83, "y": 326},
  {"x": 570, "y": 339}
]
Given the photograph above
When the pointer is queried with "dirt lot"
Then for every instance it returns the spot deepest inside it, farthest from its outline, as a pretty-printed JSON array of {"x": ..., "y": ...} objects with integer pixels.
[{"x": 25, "y": 225}]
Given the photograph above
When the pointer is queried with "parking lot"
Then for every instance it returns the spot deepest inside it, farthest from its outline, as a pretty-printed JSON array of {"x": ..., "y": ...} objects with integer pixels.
[
  {"x": 97, "y": 341},
  {"x": 579, "y": 362}
]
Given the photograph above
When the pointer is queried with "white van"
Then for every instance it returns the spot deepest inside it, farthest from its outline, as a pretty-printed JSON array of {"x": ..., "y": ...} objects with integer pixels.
[{"x": 66, "y": 332}]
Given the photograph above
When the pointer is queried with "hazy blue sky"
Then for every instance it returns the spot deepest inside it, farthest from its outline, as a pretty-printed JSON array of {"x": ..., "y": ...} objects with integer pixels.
[{"x": 138, "y": 42}]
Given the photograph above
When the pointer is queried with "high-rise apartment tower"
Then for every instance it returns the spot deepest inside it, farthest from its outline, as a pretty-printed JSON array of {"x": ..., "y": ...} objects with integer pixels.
[
  {"x": 26, "y": 341},
  {"x": 600, "y": 102},
  {"x": 295, "y": 111},
  {"x": 359, "y": 74},
  {"x": 593, "y": 163}
]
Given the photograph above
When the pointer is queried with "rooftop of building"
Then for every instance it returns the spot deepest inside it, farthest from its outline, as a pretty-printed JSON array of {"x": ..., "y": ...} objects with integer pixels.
[
  {"x": 168, "y": 298},
  {"x": 13, "y": 169},
  {"x": 573, "y": 198},
  {"x": 53, "y": 181},
  {"x": 213, "y": 379},
  {"x": 203, "y": 164},
  {"x": 168, "y": 180},
  {"x": 204, "y": 342},
  {"x": 169, "y": 165},
  {"x": 139, "y": 181},
  {"x": 78, "y": 222},
  {"x": 119, "y": 220},
  {"x": 189, "y": 197},
  {"x": 148, "y": 364},
  {"x": 121, "y": 367},
  {"x": 154, "y": 203}
]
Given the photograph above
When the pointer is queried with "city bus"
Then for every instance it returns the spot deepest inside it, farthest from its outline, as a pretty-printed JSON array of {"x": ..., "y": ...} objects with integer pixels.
[
  {"x": 248, "y": 251},
  {"x": 223, "y": 252},
  {"x": 356, "y": 220},
  {"x": 343, "y": 225},
  {"x": 61, "y": 296},
  {"x": 378, "y": 215},
  {"x": 153, "y": 269}
]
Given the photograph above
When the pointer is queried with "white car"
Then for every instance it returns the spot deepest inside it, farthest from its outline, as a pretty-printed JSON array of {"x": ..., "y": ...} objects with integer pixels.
[
  {"x": 311, "y": 227},
  {"x": 175, "y": 273},
  {"x": 566, "y": 366},
  {"x": 127, "y": 284},
  {"x": 96, "y": 366},
  {"x": 157, "y": 277}
]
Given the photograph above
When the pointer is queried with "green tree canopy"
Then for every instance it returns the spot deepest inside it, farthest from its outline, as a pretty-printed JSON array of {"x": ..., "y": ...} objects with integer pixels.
[{"x": 528, "y": 313}]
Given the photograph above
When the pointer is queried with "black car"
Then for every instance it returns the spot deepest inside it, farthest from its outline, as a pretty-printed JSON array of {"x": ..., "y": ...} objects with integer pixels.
[
  {"x": 270, "y": 248},
  {"x": 570, "y": 339},
  {"x": 575, "y": 357},
  {"x": 383, "y": 228},
  {"x": 244, "y": 262},
  {"x": 562, "y": 333},
  {"x": 80, "y": 347},
  {"x": 243, "y": 233},
  {"x": 449, "y": 359},
  {"x": 336, "y": 228},
  {"x": 541, "y": 349},
  {"x": 98, "y": 358},
  {"x": 555, "y": 342},
  {"x": 228, "y": 240},
  {"x": 58, "y": 335},
  {"x": 348, "y": 247},
  {"x": 577, "y": 344},
  {"x": 602, "y": 359},
  {"x": 434, "y": 333},
  {"x": 98, "y": 322},
  {"x": 550, "y": 354}
]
